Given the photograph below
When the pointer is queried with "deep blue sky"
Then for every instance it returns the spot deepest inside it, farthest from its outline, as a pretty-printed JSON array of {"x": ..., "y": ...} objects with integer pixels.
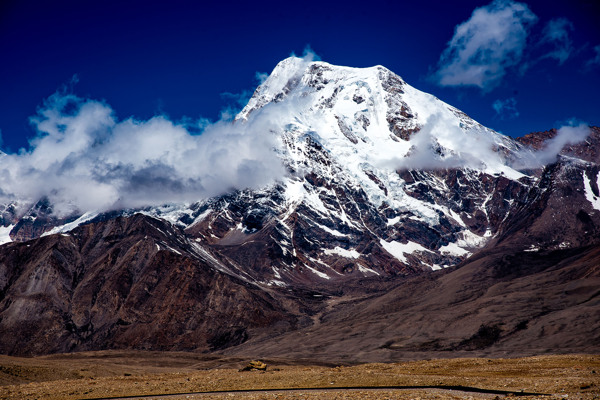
[{"x": 179, "y": 57}]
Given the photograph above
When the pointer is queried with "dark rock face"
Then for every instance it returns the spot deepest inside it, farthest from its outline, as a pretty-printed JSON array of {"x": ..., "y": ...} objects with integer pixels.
[
  {"x": 536, "y": 140},
  {"x": 291, "y": 239},
  {"x": 399, "y": 116},
  {"x": 35, "y": 222},
  {"x": 533, "y": 288},
  {"x": 503, "y": 303},
  {"x": 124, "y": 283}
]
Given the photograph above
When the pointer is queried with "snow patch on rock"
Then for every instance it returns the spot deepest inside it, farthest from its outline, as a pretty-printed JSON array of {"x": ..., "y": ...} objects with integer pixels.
[
  {"x": 589, "y": 193},
  {"x": 399, "y": 250},
  {"x": 352, "y": 253}
]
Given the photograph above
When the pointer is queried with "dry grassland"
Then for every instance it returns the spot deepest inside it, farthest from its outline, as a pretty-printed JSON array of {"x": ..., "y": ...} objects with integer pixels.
[{"x": 113, "y": 374}]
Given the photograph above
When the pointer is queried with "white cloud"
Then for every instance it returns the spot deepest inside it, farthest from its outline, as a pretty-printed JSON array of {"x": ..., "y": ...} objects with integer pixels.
[
  {"x": 85, "y": 159},
  {"x": 485, "y": 46},
  {"x": 440, "y": 144},
  {"x": 556, "y": 33},
  {"x": 506, "y": 109}
]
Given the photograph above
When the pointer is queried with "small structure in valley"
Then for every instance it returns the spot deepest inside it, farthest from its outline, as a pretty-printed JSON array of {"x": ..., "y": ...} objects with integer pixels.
[{"x": 255, "y": 366}]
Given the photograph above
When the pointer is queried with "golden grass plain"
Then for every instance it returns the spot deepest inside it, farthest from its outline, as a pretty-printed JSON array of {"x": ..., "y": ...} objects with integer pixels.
[{"x": 109, "y": 374}]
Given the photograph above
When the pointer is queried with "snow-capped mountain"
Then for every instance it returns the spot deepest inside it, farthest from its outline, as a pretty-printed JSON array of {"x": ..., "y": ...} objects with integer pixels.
[
  {"x": 383, "y": 179},
  {"x": 383, "y": 182}
]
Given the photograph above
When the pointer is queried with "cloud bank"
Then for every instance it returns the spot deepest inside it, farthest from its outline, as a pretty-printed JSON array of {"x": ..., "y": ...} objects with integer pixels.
[
  {"x": 485, "y": 46},
  {"x": 84, "y": 158},
  {"x": 441, "y": 144}
]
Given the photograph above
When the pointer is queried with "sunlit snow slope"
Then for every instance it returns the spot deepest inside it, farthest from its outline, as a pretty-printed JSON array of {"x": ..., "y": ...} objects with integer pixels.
[{"x": 383, "y": 179}]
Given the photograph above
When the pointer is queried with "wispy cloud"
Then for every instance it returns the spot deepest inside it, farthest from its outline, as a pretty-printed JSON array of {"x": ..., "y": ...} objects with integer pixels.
[
  {"x": 556, "y": 33},
  {"x": 484, "y": 47},
  {"x": 506, "y": 109},
  {"x": 594, "y": 62},
  {"x": 261, "y": 77},
  {"x": 572, "y": 132},
  {"x": 235, "y": 103},
  {"x": 84, "y": 158},
  {"x": 308, "y": 54}
]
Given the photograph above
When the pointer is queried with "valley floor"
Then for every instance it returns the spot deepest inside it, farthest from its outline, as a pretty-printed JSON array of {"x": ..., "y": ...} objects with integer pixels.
[{"x": 111, "y": 374}]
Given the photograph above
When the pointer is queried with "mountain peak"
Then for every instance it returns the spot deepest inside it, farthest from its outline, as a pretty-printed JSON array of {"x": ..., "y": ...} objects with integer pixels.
[
  {"x": 373, "y": 111},
  {"x": 295, "y": 74}
]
